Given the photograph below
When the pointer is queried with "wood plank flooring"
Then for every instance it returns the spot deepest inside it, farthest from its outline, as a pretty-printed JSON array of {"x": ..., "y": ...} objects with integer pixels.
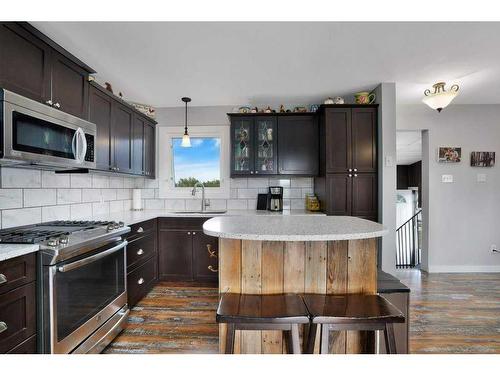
[{"x": 449, "y": 313}]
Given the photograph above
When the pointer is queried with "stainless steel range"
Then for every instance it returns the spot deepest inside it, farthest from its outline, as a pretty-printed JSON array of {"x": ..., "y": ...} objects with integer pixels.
[{"x": 82, "y": 302}]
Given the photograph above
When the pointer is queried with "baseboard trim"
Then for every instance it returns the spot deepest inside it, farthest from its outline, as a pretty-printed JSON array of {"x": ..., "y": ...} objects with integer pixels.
[{"x": 463, "y": 269}]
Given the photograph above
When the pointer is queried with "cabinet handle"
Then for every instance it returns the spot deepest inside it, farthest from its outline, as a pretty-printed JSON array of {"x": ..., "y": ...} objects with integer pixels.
[
  {"x": 3, "y": 327},
  {"x": 355, "y": 175},
  {"x": 140, "y": 230},
  {"x": 140, "y": 281},
  {"x": 211, "y": 253},
  {"x": 350, "y": 169},
  {"x": 213, "y": 269},
  {"x": 3, "y": 279},
  {"x": 350, "y": 175},
  {"x": 189, "y": 233},
  {"x": 49, "y": 102},
  {"x": 140, "y": 252},
  {"x": 194, "y": 233},
  {"x": 256, "y": 172},
  {"x": 355, "y": 169},
  {"x": 57, "y": 105}
]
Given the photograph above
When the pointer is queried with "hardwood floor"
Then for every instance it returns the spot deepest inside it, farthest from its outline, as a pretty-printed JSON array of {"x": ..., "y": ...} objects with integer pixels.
[
  {"x": 453, "y": 313},
  {"x": 449, "y": 313}
]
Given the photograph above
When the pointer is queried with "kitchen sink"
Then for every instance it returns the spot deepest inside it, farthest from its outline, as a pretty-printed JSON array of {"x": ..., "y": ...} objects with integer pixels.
[{"x": 206, "y": 212}]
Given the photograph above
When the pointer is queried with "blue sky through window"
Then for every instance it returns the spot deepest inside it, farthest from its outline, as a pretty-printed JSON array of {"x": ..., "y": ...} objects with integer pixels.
[{"x": 200, "y": 161}]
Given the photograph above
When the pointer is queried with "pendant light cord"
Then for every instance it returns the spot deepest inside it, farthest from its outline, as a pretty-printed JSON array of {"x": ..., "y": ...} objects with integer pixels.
[{"x": 186, "y": 119}]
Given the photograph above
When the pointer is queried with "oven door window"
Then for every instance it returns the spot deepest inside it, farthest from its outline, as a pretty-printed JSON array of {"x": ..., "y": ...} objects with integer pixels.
[
  {"x": 30, "y": 134},
  {"x": 84, "y": 291}
]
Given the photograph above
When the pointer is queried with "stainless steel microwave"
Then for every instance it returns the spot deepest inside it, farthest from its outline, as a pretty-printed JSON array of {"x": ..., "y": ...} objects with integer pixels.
[{"x": 36, "y": 135}]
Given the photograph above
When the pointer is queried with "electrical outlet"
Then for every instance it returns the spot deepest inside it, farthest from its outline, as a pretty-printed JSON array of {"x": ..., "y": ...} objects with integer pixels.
[{"x": 447, "y": 178}]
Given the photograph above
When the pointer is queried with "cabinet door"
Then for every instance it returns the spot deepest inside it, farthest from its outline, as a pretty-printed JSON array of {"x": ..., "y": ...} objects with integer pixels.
[
  {"x": 298, "y": 144},
  {"x": 364, "y": 139},
  {"x": 205, "y": 253},
  {"x": 364, "y": 196},
  {"x": 138, "y": 145},
  {"x": 24, "y": 63},
  {"x": 175, "y": 258},
  {"x": 338, "y": 140},
  {"x": 265, "y": 159},
  {"x": 121, "y": 137},
  {"x": 339, "y": 190},
  {"x": 100, "y": 109},
  {"x": 69, "y": 86},
  {"x": 149, "y": 149},
  {"x": 242, "y": 146}
]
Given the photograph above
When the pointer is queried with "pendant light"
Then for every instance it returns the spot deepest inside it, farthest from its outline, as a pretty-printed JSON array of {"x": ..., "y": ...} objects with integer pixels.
[
  {"x": 440, "y": 98},
  {"x": 186, "y": 141}
]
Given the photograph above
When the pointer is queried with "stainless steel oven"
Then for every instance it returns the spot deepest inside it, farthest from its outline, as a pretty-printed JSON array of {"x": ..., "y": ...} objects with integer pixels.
[
  {"x": 85, "y": 299},
  {"x": 35, "y": 134}
]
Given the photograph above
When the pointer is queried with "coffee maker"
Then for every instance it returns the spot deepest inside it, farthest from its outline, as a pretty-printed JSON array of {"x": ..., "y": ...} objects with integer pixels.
[{"x": 275, "y": 198}]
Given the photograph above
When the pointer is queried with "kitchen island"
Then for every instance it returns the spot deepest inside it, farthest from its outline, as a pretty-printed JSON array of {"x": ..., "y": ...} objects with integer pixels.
[{"x": 296, "y": 254}]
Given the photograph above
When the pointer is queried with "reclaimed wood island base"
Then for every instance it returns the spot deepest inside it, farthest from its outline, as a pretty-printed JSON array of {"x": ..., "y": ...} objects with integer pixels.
[{"x": 269, "y": 257}]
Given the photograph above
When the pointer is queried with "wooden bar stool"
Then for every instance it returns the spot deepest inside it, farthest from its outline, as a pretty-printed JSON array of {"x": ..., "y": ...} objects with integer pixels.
[
  {"x": 351, "y": 312},
  {"x": 277, "y": 312}
]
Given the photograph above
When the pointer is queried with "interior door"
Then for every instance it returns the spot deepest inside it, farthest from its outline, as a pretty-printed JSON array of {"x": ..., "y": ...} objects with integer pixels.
[
  {"x": 364, "y": 140},
  {"x": 121, "y": 135},
  {"x": 138, "y": 145},
  {"x": 175, "y": 258},
  {"x": 69, "y": 86},
  {"x": 339, "y": 188},
  {"x": 338, "y": 140},
  {"x": 24, "y": 63},
  {"x": 100, "y": 109}
]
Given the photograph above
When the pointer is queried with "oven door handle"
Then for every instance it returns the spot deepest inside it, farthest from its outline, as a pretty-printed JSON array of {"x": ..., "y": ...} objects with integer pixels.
[{"x": 91, "y": 259}]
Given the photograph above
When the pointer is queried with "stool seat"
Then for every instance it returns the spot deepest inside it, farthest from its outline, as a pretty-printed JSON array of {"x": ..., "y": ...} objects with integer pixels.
[
  {"x": 351, "y": 309},
  {"x": 263, "y": 309}
]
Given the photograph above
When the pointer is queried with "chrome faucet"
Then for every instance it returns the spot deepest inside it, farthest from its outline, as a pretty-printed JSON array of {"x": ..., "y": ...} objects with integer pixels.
[{"x": 204, "y": 203}]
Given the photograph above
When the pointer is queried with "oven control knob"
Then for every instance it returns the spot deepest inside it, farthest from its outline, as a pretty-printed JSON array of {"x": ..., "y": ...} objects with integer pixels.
[
  {"x": 53, "y": 242},
  {"x": 111, "y": 227},
  {"x": 121, "y": 224},
  {"x": 116, "y": 225},
  {"x": 63, "y": 240}
]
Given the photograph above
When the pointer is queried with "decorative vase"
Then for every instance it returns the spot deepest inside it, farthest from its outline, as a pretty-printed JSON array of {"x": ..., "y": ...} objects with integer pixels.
[{"x": 364, "y": 97}]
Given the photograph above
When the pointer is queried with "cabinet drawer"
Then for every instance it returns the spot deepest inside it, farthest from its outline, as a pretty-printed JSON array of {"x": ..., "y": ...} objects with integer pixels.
[
  {"x": 140, "y": 281},
  {"x": 17, "y": 316},
  {"x": 182, "y": 222},
  {"x": 17, "y": 271},
  {"x": 142, "y": 228},
  {"x": 26, "y": 347},
  {"x": 140, "y": 249}
]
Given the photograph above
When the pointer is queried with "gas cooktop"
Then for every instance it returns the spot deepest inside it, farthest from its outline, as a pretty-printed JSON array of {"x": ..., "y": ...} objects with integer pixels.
[{"x": 53, "y": 233}]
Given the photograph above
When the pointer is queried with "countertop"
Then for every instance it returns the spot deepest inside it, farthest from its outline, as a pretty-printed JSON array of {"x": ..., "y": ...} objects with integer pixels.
[
  {"x": 293, "y": 228},
  {"x": 8, "y": 251}
]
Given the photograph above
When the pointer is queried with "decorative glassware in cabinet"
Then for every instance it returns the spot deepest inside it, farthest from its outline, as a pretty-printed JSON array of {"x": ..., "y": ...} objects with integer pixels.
[
  {"x": 265, "y": 146},
  {"x": 242, "y": 146}
]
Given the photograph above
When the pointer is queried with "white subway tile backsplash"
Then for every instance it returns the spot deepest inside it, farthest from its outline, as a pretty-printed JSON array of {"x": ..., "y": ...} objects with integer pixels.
[
  {"x": 301, "y": 182},
  {"x": 91, "y": 195},
  {"x": 298, "y": 204},
  {"x": 193, "y": 204},
  {"x": 284, "y": 182},
  {"x": 258, "y": 182},
  {"x": 80, "y": 181},
  {"x": 116, "y": 182},
  {"x": 237, "y": 183},
  {"x": 248, "y": 193},
  {"x": 11, "y": 198},
  {"x": 100, "y": 208},
  {"x": 148, "y": 193},
  {"x": 252, "y": 204},
  {"x": 127, "y": 205},
  {"x": 129, "y": 183},
  {"x": 115, "y": 206},
  {"x": 51, "y": 213},
  {"x": 123, "y": 194},
  {"x": 80, "y": 211},
  {"x": 53, "y": 180},
  {"x": 67, "y": 196},
  {"x": 22, "y": 216},
  {"x": 39, "y": 197},
  {"x": 292, "y": 193},
  {"x": 139, "y": 183},
  {"x": 151, "y": 184},
  {"x": 108, "y": 194},
  {"x": 21, "y": 178},
  {"x": 154, "y": 204},
  {"x": 217, "y": 204},
  {"x": 237, "y": 204},
  {"x": 233, "y": 193},
  {"x": 175, "y": 204},
  {"x": 99, "y": 181}
]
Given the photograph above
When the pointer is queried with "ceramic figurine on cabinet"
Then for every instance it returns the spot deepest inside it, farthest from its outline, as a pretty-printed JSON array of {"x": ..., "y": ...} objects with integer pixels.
[
  {"x": 268, "y": 110},
  {"x": 282, "y": 108},
  {"x": 244, "y": 110},
  {"x": 328, "y": 101},
  {"x": 108, "y": 87},
  {"x": 338, "y": 100},
  {"x": 313, "y": 107},
  {"x": 254, "y": 110},
  {"x": 364, "y": 97}
]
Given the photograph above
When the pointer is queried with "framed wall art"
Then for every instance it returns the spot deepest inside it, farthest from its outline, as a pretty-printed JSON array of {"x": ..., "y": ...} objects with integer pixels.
[
  {"x": 450, "y": 154},
  {"x": 482, "y": 159}
]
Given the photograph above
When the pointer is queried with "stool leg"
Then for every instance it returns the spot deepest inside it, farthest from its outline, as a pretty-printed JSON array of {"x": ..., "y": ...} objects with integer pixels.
[
  {"x": 288, "y": 341},
  {"x": 325, "y": 333},
  {"x": 295, "y": 339},
  {"x": 390, "y": 341},
  {"x": 311, "y": 338},
  {"x": 230, "y": 338}
]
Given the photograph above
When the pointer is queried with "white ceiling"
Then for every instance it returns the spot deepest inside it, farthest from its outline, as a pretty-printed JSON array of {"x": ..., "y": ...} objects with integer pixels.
[
  {"x": 294, "y": 63},
  {"x": 408, "y": 147}
]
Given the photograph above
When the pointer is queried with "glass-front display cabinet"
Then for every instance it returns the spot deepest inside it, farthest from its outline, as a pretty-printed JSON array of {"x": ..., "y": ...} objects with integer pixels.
[{"x": 253, "y": 145}]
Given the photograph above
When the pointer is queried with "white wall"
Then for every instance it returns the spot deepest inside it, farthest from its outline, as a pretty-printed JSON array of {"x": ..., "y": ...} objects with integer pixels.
[{"x": 462, "y": 218}]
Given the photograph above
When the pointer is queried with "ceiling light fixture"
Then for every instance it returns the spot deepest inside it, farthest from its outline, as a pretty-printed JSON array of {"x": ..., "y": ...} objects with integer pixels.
[
  {"x": 186, "y": 141},
  {"x": 440, "y": 98}
]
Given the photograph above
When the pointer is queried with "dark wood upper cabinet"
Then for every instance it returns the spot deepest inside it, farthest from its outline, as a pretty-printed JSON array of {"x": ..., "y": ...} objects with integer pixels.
[
  {"x": 364, "y": 139},
  {"x": 139, "y": 124},
  {"x": 298, "y": 145},
  {"x": 338, "y": 139},
  {"x": 149, "y": 149},
  {"x": 69, "y": 86},
  {"x": 274, "y": 144},
  {"x": 100, "y": 109},
  {"x": 25, "y": 63},
  {"x": 122, "y": 119}
]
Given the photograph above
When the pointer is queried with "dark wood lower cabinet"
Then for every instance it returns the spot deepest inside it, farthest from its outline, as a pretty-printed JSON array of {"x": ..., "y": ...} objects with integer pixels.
[
  {"x": 185, "y": 252},
  {"x": 141, "y": 280},
  {"x": 28, "y": 346},
  {"x": 364, "y": 196}
]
